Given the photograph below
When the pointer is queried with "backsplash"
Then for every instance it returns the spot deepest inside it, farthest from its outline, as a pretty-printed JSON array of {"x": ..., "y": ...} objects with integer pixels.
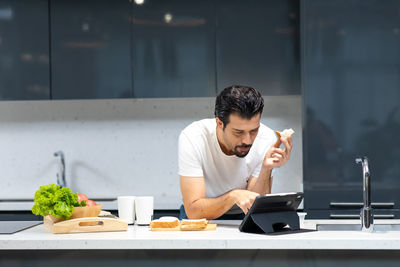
[{"x": 118, "y": 146}]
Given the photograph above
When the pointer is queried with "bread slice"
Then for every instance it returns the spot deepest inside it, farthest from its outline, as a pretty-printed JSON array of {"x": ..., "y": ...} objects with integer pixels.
[
  {"x": 193, "y": 225},
  {"x": 194, "y": 222},
  {"x": 285, "y": 133},
  {"x": 165, "y": 222}
]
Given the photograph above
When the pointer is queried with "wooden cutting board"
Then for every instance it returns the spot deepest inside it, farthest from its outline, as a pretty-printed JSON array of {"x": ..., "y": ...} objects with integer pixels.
[
  {"x": 209, "y": 227},
  {"x": 85, "y": 225}
]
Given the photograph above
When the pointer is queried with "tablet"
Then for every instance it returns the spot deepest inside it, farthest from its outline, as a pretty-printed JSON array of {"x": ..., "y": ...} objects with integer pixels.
[{"x": 271, "y": 203}]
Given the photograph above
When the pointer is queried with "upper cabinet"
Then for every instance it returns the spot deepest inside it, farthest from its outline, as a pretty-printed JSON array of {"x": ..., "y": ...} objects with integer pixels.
[
  {"x": 90, "y": 49},
  {"x": 351, "y": 67},
  {"x": 24, "y": 50},
  {"x": 258, "y": 45},
  {"x": 173, "y": 48}
]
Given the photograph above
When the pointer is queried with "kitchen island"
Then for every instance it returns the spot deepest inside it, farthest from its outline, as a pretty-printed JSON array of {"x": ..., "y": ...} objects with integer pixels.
[{"x": 225, "y": 245}]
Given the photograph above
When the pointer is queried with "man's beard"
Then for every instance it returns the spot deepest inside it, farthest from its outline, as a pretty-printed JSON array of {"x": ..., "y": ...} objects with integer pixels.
[{"x": 241, "y": 154}]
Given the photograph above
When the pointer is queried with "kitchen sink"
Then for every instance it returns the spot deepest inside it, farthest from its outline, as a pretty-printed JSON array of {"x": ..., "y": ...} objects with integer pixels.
[{"x": 355, "y": 227}]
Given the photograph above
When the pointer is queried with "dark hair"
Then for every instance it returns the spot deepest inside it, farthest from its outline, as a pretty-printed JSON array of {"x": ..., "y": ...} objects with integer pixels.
[{"x": 238, "y": 99}]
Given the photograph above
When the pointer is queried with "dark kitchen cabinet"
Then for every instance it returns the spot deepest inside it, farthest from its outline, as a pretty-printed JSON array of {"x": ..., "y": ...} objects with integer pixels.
[
  {"x": 24, "y": 50},
  {"x": 351, "y": 67},
  {"x": 90, "y": 49},
  {"x": 173, "y": 49},
  {"x": 258, "y": 45}
]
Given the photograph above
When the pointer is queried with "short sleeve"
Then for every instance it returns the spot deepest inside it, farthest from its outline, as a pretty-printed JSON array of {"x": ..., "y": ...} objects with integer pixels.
[{"x": 188, "y": 158}]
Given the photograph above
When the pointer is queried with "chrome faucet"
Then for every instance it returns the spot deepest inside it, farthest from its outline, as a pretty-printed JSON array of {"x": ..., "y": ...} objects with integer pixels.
[
  {"x": 367, "y": 217},
  {"x": 61, "y": 173}
]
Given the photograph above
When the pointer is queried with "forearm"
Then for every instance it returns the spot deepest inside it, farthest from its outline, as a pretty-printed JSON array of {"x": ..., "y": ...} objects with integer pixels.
[
  {"x": 210, "y": 208},
  {"x": 263, "y": 183}
]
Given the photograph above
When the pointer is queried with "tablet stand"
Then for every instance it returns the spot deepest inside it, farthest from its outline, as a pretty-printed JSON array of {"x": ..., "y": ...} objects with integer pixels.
[{"x": 270, "y": 222}]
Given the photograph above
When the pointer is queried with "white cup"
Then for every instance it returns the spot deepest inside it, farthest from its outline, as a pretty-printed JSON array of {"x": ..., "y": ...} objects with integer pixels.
[
  {"x": 126, "y": 208},
  {"x": 302, "y": 216},
  {"x": 144, "y": 210}
]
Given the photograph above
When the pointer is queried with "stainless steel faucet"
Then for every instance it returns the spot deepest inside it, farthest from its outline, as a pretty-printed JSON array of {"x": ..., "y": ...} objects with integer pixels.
[
  {"x": 61, "y": 173},
  {"x": 367, "y": 217}
]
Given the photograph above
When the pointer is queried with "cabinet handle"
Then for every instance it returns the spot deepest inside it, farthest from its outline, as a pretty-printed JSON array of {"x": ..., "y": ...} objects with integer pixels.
[
  {"x": 357, "y": 216},
  {"x": 377, "y": 205}
]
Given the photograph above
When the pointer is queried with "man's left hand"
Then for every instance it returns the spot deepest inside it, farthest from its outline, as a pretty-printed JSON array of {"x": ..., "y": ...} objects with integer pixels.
[{"x": 276, "y": 156}]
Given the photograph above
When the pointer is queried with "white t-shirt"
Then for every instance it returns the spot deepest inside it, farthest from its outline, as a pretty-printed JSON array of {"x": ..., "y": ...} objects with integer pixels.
[{"x": 200, "y": 155}]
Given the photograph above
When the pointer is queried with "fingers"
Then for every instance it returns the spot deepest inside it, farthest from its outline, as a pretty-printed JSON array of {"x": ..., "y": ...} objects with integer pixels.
[
  {"x": 276, "y": 156},
  {"x": 247, "y": 200},
  {"x": 245, "y": 205},
  {"x": 280, "y": 155},
  {"x": 245, "y": 209},
  {"x": 288, "y": 147},
  {"x": 278, "y": 151},
  {"x": 288, "y": 143},
  {"x": 278, "y": 143}
]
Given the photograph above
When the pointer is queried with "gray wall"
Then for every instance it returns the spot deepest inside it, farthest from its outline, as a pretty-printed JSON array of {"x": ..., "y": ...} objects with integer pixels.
[{"x": 117, "y": 147}]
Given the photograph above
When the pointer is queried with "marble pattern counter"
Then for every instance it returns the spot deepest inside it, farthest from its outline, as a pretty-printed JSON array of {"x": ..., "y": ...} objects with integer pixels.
[{"x": 227, "y": 236}]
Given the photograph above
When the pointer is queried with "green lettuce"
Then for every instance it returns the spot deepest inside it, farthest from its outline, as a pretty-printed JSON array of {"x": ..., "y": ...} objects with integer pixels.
[{"x": 56, "y": 201}]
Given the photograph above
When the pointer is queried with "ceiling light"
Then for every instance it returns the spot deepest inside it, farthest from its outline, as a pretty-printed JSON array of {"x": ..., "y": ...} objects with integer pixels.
[
  {"x": 139, "y": 2},
  {"x": 168, "y": 17}
]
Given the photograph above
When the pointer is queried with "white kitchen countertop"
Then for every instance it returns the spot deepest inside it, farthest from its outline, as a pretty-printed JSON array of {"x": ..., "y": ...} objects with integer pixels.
[{"x": 225, "y": 237}]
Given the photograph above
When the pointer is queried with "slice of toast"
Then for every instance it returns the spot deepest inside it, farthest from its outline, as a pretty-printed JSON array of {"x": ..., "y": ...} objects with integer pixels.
[
  {"x": 285, "y": 133},
  {"x": 193, "y": 225},
  {"x": 165, "y": 222},
  {"x": 194, "y": 222}
]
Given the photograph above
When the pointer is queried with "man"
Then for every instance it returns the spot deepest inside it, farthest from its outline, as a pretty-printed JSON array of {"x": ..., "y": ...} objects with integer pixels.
[{"x": 226, "y": 162}]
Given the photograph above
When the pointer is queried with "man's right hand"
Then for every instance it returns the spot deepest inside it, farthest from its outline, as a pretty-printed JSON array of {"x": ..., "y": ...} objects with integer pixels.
[
  {"x": 244, "y": 198},
  {"x": 198, "y": 206}
]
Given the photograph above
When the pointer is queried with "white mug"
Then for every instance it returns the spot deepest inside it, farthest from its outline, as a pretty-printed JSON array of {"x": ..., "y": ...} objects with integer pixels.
[
  {"x": 144, "y": 210},
  {"x": 126, "y": 208}
]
